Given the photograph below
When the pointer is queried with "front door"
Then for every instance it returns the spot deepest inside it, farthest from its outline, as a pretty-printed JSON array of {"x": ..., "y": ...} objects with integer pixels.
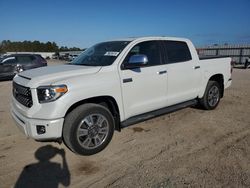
[{"x": 144, "y": 89}]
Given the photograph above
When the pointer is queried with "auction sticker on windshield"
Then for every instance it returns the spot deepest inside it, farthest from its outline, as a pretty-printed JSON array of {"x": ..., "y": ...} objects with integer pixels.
[{"x": 111, "y": 54}]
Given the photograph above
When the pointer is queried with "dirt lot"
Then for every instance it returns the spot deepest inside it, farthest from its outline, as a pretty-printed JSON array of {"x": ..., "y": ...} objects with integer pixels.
[{"x": 188, "y": 148}]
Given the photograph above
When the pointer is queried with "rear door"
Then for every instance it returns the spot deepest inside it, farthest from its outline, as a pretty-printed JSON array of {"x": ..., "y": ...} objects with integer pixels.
[
  {"x": 183, "y": 72},
  {"x": 144, "y": 89}
]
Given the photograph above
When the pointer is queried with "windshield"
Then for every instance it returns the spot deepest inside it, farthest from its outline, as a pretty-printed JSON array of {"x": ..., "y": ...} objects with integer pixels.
[{"x": 102, "y": 54}]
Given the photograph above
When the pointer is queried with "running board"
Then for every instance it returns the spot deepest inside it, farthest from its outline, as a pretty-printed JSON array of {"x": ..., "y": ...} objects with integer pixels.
[{"x": 155, "y": 113}]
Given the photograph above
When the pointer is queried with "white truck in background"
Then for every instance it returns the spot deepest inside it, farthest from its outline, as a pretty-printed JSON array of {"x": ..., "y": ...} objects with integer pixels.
[{"x": 113, "y": 85}]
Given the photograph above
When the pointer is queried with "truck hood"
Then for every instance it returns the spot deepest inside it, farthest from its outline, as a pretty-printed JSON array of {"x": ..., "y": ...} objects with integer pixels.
[{"x": 49, "y": 75}]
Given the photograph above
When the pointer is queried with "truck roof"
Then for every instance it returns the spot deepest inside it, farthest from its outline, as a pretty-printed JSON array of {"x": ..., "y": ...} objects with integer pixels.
[{"x": 151, "y": 38}]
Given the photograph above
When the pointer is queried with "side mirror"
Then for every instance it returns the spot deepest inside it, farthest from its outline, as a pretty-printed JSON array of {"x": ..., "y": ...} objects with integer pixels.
[
  {"x": 136, "y": 61},
  {"x": 18, "y": 68}
]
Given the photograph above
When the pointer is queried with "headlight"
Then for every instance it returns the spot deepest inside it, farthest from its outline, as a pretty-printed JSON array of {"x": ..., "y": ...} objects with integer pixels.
[{"x": 50, "y": 93}]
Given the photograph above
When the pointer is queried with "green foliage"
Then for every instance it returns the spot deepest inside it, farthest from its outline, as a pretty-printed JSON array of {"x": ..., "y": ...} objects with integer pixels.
[
  {"x": 32, "y": 46},
  {"x": 65, "y": 48}
]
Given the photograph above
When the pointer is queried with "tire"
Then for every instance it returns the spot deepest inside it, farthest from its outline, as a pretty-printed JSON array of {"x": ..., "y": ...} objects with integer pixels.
[
  {"x": 88, "y": 129},
  {"x": 211, "y": 96}
]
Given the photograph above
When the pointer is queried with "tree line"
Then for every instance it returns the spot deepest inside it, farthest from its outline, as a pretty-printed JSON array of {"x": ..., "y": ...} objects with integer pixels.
[{"x": 33, "y": 46}]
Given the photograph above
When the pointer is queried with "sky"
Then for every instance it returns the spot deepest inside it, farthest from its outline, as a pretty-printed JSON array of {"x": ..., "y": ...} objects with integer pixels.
[{"x": 82, "y": 23}]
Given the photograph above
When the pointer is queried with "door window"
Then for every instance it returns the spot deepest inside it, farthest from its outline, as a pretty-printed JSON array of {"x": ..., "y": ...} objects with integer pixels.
[
  {"x": 150, "y": 49},
  {"x": 177, "y": 51},
  {"x": 9, "y": 60},
  {"x": 25, "y": 59}
]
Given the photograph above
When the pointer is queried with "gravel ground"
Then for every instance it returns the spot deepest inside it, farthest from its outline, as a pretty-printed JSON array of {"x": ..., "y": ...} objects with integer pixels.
[{"x": 188, "y": 148}]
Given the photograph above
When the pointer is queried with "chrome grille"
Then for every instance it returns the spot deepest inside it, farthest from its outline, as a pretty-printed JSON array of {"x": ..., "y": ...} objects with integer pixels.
[{"x": 22, "y": 94}]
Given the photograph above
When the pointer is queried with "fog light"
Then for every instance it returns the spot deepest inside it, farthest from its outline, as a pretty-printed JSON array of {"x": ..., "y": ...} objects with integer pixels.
[{"x": 40, "y": 129}]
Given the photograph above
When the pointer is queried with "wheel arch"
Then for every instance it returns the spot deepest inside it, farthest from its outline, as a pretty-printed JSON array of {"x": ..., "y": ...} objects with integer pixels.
[
  {"x": 106, "y": 101},
  {"x": 220, "y": 79},
  {"x": 216, "y": 77}
]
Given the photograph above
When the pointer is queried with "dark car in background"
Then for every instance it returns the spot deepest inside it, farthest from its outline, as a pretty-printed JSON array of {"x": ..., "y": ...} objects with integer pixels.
[{"x": 12, "y": 64}]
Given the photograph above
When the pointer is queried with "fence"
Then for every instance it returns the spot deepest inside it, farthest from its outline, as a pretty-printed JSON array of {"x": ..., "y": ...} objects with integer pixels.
[{"x": 238, "y": 53}]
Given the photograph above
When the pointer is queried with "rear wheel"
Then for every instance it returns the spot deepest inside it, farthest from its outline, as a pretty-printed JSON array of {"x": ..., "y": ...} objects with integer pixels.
[
  {"x": 212, "y": 96},
  {"x": 88, "y": 129}
]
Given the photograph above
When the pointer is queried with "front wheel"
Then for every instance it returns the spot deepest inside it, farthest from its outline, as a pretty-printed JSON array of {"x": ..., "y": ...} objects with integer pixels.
[
  {"x": 88, "y": 129},
  {"x": 211, "y": 96}
]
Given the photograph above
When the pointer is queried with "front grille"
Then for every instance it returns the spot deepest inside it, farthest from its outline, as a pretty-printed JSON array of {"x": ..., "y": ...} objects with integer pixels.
[{"x": 22, "y": 94}]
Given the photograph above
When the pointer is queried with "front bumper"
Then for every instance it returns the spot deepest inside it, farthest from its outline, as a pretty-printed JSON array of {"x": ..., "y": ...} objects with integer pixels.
[{"x": 29, "y": 126}]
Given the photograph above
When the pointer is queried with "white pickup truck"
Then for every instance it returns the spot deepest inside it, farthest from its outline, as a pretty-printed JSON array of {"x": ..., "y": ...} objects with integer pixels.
[{"x": 113, "y": 85}]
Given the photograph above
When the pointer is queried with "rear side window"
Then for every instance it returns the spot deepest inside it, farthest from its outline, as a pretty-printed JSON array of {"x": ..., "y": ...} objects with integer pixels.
[
  {"x": 177, "y": 51},
  {"x": 25, "y": 59},
  {"x": 39, "y": 57}
]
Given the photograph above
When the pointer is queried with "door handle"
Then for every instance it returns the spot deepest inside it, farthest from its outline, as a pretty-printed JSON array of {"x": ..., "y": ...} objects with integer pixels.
[
  {"x": 127, "y": 80},
  {"x": 197, "y": 67},
  {"x": 162, "y": 72}
]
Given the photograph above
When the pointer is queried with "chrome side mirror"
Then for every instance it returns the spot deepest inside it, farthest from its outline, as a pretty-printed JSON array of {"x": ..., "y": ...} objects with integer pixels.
[
  {"x": 18, "y": 68},
  {"x": 136, "y": 61}
]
